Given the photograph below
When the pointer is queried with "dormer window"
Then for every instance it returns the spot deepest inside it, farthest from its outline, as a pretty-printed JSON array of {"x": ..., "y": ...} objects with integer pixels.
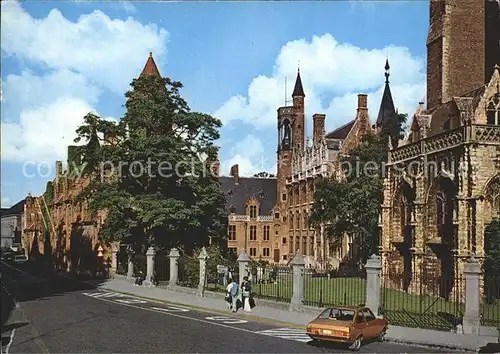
[
  {"x": 253, "y": 211},
  {"x": 232, "y": 209},
  {"x": 261, "y": 194}
]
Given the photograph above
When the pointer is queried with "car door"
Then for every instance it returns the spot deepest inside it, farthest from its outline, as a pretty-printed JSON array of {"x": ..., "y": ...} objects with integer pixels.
[
  {"x": 360, "y": 323},
  {"x": 372, "y": 329}
]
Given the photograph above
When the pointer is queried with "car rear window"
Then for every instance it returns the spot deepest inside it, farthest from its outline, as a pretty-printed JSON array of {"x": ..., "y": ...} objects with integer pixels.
[{"x": 337, "y": 314}]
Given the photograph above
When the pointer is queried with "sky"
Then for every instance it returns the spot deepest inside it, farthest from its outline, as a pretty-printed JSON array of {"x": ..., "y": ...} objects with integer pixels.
[{"x": 61, "y": 60}]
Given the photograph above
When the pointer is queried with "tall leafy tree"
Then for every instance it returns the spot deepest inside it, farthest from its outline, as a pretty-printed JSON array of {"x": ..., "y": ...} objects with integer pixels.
[
  {"x": 156, "y": 186},
  {"x": 351, "y": 204}
]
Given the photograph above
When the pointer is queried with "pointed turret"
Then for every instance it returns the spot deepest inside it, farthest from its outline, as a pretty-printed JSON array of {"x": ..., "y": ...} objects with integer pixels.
[
  {"x": 298, "y": 90},
  {"x": 150, "y": 68},
  {"x": 387, "y": 109}
]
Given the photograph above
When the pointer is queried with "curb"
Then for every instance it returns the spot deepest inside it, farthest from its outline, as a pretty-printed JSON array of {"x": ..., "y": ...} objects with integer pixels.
[{"x": 431, "y": 345}]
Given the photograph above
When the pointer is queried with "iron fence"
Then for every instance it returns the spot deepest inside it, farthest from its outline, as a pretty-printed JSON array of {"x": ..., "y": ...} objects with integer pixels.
[
  {"x": 412, "y": 300},
  {"x": 490, "y": 304},
  {"x": 334, "y": 288},
  {"x": 189, "y": 271},
  {"x": 162, "y": 266},
  {"x": 273, "y": 283},
  {"x": 139, "y": 261}
]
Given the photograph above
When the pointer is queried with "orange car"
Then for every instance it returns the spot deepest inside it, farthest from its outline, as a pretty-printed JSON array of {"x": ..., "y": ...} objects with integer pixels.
[{"x": 349, "y": 325}]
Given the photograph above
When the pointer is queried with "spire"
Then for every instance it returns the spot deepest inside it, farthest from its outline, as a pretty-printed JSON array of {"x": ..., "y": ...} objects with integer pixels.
[
  {"x": 150, "y": 68},
  {"x": 387, "y": 109},
  {"x": 298, "y": 90}
]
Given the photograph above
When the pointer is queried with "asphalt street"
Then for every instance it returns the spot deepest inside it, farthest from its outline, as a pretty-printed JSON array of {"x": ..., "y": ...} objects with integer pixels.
[{"x": 55, "y": 314}]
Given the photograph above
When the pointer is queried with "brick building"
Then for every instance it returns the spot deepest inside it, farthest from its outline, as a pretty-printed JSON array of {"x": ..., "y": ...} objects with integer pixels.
[{"x": 443, "y": 182}]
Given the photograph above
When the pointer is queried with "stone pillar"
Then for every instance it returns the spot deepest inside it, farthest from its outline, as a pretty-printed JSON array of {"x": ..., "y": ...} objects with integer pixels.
[
  {"x": 471, "y": 320},
  {"x": 114, "y": 259},
  {"x": 203, "y": 271},
  {"x": 298, "y": 266},
  {"x": 243, "y": 262},
  {"x": 373, "y": 267},
  {"x": 150, "y": 266},
  {"x": 174, "y": 256}
]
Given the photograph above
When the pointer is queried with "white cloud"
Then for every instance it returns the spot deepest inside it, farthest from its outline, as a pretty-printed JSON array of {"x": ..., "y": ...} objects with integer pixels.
[
  {"x": 106, "y": 51},
  {"x": 127, "y": 6},
  {"x": 41, "y": 112},
  {"x": 329, "y": 69}
]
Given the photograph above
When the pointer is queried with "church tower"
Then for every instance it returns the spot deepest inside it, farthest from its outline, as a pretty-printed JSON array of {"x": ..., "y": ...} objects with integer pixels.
[
  {"x": 462, "y": 47},
  {"x": 298, "y": 97}
]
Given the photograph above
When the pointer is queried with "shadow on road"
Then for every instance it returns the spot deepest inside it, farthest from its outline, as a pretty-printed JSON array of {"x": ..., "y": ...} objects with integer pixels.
[{"x": 35, "y": 281}]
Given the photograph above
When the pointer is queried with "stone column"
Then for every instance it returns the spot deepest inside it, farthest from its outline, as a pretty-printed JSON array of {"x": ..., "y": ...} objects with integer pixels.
[
  {"x": 150, "y": 266},
  {"x": 298, "y": 266},
  {"x": 203, "y": 271},
  {"x": 114, "y": 259},
  {"x": 373, "y": 267},
  {"x": 471, "y": 320},
  {"x": 243, "y": 262},
  {"x": 174, "y": 267}
]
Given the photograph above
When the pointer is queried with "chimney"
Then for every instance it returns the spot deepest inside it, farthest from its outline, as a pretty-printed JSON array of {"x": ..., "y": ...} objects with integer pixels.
[
  {"x": 235, "y": 173},
  {"x": 362, "y": 115},
  {"x": 318, "y": 127},
  {"x": 362, "y": 101}
]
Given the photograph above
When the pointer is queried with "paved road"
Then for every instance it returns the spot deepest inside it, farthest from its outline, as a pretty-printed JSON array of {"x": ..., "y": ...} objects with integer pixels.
[{"x": 55, "y": 314}]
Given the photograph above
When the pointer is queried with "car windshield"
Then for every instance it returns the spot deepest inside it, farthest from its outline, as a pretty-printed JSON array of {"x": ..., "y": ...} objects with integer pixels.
[{"x": 337, "y": 314}]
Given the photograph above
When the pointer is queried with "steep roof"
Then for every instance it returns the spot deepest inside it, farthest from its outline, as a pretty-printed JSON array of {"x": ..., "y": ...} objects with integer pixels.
[
  {"x": 341, "y": 132},
  {"x": 298, "y": 90},
  {"x": 150, "y": 68},
  {"x": 263, "y": 189},
  {"x": 16, "y": 209},
  {"x": 387, "y": 109}
]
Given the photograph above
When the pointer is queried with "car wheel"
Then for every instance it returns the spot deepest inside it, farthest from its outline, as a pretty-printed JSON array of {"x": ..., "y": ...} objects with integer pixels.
[
  {"x": 381, "y": 335},
  {"x": 356, "y": 346}
]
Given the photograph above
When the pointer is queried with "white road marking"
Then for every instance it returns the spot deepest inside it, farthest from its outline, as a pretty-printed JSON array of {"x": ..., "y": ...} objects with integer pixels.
[
  {"x": 132, "y": 301},
  {"x": 10, "y": 341},
  {"x": 170, "y": 309},
  {"x": 102, "y": 294},
  {"x": 227, "y": 320},
  {"x": 287, "y": 333}
]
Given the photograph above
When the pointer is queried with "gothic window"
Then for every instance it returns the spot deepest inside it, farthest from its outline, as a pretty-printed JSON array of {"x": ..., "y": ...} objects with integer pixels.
[
  {"x": 287, "y": 134},
  {"x": 493, "y": 110},
  {"x": 444, "y": 215},
  {"x": 304, "y": 246}
]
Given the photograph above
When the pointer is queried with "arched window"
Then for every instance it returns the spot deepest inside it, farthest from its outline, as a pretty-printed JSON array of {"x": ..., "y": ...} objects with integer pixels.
[{"x": 493, "y": 109}]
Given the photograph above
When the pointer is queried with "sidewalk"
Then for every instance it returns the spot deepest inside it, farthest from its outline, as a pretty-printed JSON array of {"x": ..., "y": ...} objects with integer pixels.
[{"x": 276, "y": 312}]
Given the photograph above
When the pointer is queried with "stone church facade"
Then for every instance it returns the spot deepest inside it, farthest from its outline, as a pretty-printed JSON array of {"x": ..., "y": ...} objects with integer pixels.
[{"x": 442, "y": 186}]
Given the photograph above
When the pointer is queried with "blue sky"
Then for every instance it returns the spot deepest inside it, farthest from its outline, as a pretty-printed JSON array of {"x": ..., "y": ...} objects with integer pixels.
[{"x": 232, "y": 57}]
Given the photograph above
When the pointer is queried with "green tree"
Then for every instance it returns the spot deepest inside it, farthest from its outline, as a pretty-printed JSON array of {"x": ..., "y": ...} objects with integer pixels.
[
  {"x": 351, "y": 205},
  {"x": 156, "y": 188},
  {"x": 492, "y": 247}
]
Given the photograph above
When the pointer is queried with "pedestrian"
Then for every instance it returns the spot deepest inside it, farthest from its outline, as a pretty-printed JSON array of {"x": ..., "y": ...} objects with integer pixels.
[
  {"x": 235, "y": 294},
  {"x": 246, "y": 289},
  {"x": 229, "y": 298}
]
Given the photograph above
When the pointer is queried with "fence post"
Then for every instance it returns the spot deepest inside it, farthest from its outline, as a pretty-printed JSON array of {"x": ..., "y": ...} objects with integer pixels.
[
  {"x": 243, "y": 261},
  {"x": 150, "y": 266},
  {"x": 114, "y": 259},
  {"x": 298, "y": 266},
  {"x": 174, "y": 256},
  {"x": 373, "y": 267},
  {"x": 130, "y": 263},
  {"x": 471, "y": 320},
  {"x": 203, "y": 271}
]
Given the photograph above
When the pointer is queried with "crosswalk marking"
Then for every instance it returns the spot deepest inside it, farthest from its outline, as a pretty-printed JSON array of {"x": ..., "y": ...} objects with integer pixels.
[{"x": 287, "y": 333}]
